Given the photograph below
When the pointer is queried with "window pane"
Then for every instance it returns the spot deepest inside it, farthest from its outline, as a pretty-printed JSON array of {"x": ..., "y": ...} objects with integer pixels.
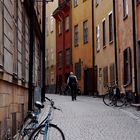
[
  {"x": 67, "y": 23},
  {"x": 78, "y": 70},
  {"x": 104, "y": 37},
  {"x": 110, "y": 28},
  {"x": 85, "y": 32},
  {"x": 76, "y": 35},
  {"x": 60, "y": 59},
  {"x": 75, "y": 3},
  {"x": 68, "y": 57},
  {"x": 126, "y": 67}
]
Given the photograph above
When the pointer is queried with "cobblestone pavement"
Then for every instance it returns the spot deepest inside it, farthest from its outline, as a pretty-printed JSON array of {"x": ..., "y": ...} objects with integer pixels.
[{"x": 88, "y": 118}]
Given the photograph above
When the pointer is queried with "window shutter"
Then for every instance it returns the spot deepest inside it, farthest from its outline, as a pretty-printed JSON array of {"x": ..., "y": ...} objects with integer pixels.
[{"x": 127, "y": 67}]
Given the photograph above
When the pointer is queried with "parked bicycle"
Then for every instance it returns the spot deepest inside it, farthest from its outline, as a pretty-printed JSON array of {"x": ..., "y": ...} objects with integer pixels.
[
  {"x": 113, "y": 97},
  {"x": 46, "y": 130},
  {"x": 32, "y": 125}
]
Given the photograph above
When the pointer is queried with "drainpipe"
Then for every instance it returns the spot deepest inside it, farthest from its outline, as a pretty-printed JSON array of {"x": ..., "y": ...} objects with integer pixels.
[
  {"x": 134, "y": 48},
  {"x": 43, "y": 51},
  {"x": 115, "y": 41},
  {"x": 93, "y": 34},
  {"x": 71, "y": 69},
  {"x": 30, "y": 84}
]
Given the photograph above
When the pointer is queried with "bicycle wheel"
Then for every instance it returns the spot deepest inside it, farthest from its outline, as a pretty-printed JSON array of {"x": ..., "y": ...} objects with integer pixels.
[
  {"x": 121, "y": 101},
  {"x": 53, "y": 133},
  {"x": 26, "y": 129},
  {"x": 107, "y": 99}
]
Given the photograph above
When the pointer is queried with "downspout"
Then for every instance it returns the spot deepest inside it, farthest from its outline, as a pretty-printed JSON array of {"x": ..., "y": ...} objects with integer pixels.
[
  {"x": 134, "y": 48},
  {"x": 43, "y": 51},
  {"x": 93, "y": 34},
  {"x": 115, "y": 41},
  {"x": 30, "y": 84},
  {"x": 71, "y": 35}
]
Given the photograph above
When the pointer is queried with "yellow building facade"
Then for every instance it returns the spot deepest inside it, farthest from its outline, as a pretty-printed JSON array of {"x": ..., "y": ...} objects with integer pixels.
[
  {"x": 104, "y": 54},
  {"x": 50, "y": 47},
  {"x": 81, "y": 39}
]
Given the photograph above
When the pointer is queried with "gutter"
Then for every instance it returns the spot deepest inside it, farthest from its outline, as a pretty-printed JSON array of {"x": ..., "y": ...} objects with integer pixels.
[
  {"x": 135, "y": 54},
  {"x": 115, "y": 41},
  {"x": 30, "y": 84},
  {"x": 93, "y": 63}
]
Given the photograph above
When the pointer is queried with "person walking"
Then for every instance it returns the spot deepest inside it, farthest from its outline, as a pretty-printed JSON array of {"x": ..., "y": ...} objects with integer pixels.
[{"x": 72, "y": 83}]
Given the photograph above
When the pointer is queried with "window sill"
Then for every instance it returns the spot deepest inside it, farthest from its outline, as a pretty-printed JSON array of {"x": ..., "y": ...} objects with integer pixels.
[
  {"x": 15, "y": 77},
  {"x": 104, "y": 46},
  {"x": 1, "y": 68},
  {"x": 111, "y": 42},
  {"x": 67, "y": 30},
  {"x": 125, "y": 17},
  {"x": 85, "y": 42},
  {"x": 76, "y": 45}
]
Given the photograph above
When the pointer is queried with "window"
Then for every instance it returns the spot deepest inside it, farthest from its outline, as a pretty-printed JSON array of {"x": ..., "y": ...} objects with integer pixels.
[
  {"x": 75, "y": 3},
  {"x": 104, "y": 33},
  {"x": 78, "y": 70},
  {"x": 60, "y": 59},
  {"x": 110, "y": 28},
  {"x": 105, "y": 75},
  {"x": 85, "y": 31},
  {"x": 67, "y": 23},
  {"x": 23, "y": 47},
  {"x": 112, "y": 73},
  {"x": 126, "y": 67},
  {"x": 97, "y": 38},
  {"x": 68, "y": 57},
  {"x": 125, "y": 8},
  {"x": 60, "y": 27},
  {"x": 15, "y": 53},
  {"x": 52, "y": 23},
  {"x": 76, "y": 35},
  {"x": 97, "y": 3}
]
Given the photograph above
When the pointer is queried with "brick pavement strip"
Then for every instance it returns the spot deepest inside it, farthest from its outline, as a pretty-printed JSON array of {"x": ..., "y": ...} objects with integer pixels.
[{"x": 89, "y": 119}]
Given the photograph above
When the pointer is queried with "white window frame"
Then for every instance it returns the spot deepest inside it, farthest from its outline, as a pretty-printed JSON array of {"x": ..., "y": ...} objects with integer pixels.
[{"x": 98, "y": 38}]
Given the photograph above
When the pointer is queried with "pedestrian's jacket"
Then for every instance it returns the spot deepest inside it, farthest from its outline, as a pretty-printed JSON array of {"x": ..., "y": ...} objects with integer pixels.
[{"x": 72, "y": 80}]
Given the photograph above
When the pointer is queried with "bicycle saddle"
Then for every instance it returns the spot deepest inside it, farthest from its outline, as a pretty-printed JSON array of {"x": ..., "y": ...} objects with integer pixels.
[{"x": 39, "y": 105}]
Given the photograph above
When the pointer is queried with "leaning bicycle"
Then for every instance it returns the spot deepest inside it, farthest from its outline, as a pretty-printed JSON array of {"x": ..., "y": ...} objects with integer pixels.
[
  {"x": 46, "y": 130},
  {"x": 29, "y": 124},
  {"x": 113, "y": 97}
]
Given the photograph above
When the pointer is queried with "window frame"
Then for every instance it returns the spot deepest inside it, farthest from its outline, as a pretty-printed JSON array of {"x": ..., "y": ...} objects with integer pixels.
[
  {"x": 125, "y": 9},
  {"x": 127, "y": 78},
  {"x": 85, "y": 31},
  {"x": 98, "y": 38},
  {"x": 59, "y": 27},
  {"x": 67, "y": 23},
  {"x": 104, "y": 32},
  {"x": 75, "y": 3},
  {"x": 78, "y": 70},
  {"x": 60, "y": 59},
  {"x": 110, "y": 23},
  {"x": 68, "y": 56},
  {"x": 76, "y": 36}
]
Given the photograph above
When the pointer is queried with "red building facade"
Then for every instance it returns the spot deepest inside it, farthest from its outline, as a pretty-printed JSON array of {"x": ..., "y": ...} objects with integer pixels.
[{"x": 63, "y": 42}]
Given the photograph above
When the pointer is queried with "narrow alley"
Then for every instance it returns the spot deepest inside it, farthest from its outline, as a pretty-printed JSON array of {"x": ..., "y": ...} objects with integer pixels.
[{"x": 88, "y": 118}]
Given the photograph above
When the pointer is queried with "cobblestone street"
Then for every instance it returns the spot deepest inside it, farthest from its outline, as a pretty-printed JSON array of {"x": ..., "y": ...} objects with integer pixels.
[{"x": 88, "y": 118}]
